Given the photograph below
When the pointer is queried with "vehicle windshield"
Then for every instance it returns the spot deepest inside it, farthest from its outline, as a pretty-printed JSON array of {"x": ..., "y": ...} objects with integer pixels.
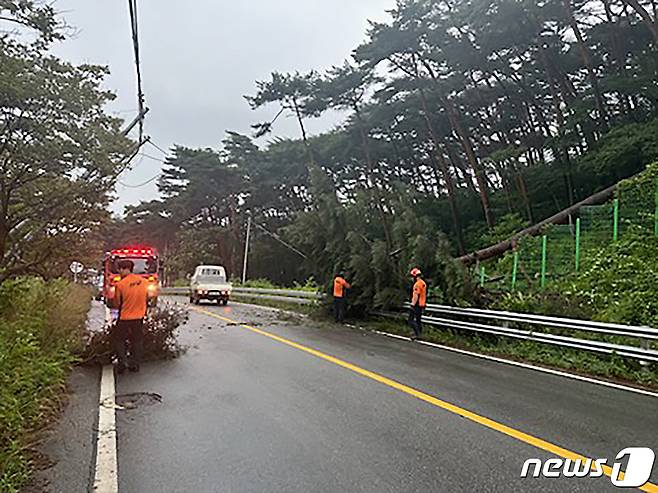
[
  {"x": 211, "y": 275},
  {"x": 142, "y": 265}
]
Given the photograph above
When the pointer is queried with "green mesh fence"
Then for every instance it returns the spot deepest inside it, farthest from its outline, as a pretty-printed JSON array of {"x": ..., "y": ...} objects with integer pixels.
[{"x": 635, "y": 206}]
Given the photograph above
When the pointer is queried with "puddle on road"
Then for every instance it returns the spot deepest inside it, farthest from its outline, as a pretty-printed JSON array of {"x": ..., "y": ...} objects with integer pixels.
[{"x": 137, "y": 400}]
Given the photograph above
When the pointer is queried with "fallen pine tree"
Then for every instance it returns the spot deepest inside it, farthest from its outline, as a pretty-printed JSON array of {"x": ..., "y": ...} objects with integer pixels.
[{"x": 560, "y": 218}]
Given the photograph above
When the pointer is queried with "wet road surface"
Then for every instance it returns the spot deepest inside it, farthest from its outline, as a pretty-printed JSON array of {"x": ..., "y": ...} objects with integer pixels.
[{"x": 250, "y": 411}]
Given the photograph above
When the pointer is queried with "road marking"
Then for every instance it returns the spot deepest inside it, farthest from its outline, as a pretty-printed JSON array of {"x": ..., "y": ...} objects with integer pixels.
[
  {"x": 551, "y": 371},
  {"x": 465, "y": 413},
  {"x": 106, "y": 472}
]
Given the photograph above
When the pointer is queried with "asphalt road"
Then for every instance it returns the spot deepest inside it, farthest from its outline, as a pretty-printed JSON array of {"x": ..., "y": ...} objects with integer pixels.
[{"x": 242, "y": 411}]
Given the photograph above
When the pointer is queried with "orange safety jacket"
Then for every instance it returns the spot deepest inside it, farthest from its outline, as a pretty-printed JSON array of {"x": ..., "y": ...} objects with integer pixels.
[
  {"x": 419, "y": 294},
  {"x": 132, "y": 297},
  {"x": 340, "y": 285}
]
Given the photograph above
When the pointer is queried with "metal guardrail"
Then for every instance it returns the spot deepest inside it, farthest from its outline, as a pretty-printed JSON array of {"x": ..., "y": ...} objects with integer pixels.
[
  {"x": 283, "y": 295},
  {"x": 472, "y": 319}
]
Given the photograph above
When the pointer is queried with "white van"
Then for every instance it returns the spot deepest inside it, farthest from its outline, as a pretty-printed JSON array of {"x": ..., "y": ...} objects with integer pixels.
[{"x": 209, "y": 283}]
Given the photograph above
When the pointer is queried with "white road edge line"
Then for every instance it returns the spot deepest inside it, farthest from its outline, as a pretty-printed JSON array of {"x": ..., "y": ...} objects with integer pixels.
[
  {"x": 106, "y": 472},
  {"x": 564, "y": 374}
]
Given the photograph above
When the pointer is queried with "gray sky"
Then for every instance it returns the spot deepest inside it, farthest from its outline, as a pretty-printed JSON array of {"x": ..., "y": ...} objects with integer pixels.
[{"x": 200, "y": 57}]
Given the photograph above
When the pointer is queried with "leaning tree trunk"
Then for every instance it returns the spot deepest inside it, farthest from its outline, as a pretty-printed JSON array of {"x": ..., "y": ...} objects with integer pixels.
[{"x": 561, "y": 217}]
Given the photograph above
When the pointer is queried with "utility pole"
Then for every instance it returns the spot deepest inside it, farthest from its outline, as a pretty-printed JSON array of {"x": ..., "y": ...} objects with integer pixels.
[
  {"x": 138, "y": 118},
  {"x": 246, "y": 250}
]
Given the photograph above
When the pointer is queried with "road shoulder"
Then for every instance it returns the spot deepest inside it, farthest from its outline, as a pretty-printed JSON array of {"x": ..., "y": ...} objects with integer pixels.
[{"x": 66, "y": 450}]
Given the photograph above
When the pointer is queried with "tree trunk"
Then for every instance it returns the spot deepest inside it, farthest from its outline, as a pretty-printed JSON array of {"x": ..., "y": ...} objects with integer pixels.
[
  {"x": 378, "y": 197},
  {"x": 470, "y": 154},
  {"x": 652, "y": 24},
  {"x": 561, "y": 217},
  {"x": 300, "y": 120},
  {"x": 447, "y": 178},
  {"x": 587, "y": 61},
  {"x": 467, "y": 145},
  {"x": 562, "y": 152}
]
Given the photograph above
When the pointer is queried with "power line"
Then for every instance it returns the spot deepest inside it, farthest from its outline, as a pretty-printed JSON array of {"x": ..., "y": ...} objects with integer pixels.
[
  {"x": 132, "y": 7},
  {"x": 158, "y": 148},
  {"x": 278, "y": 238},
  {"x": 143, "y": 154},
  {"x": 140, "y": 185}
]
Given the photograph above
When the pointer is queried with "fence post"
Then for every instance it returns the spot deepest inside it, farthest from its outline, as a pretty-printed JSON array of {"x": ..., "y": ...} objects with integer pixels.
[
  {"x": 482, "y": 276},
  {"x": 577, "y": 244},
  {"x": 515, "y": 268},
  {"x": 543, "y": 261},
  {"x": 615, "y": 220}
]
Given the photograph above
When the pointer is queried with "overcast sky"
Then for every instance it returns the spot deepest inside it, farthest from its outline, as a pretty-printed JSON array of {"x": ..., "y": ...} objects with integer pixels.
[{"x": 200, "y": 57}]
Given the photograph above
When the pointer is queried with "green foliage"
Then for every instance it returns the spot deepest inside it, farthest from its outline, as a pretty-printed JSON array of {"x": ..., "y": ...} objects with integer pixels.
[
  {"x": 256, "y": 283},
  {"x": 379, "y": 275},
  {"x": 479, "y": 236},
  {"x": 619, "y": 282},
  {"x": 60, "y": 151},
  {"x": 309, "y": 285},
  {"x": 41, "y": 325}
]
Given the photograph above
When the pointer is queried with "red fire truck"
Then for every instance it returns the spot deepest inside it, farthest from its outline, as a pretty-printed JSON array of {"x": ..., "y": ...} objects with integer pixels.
[{"x": 146, "y": 264}]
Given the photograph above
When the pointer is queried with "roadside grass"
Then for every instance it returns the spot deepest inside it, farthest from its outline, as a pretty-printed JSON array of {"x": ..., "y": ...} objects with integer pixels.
[
  {"x": 614, "y": 368},
  {"x": 283, "y": 305},
  {"x": 41, "y": 328},
  {"x": 310, "y": 285}
]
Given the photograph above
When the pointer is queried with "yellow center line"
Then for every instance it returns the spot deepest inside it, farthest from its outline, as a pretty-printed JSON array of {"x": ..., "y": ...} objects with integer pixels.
[{"x": 465, "y": 413}]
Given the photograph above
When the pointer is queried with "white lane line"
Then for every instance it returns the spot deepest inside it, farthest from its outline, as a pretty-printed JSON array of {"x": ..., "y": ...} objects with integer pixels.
[
  {"x": 564, "y": 374},
  {"x": 106, "y": 472}
]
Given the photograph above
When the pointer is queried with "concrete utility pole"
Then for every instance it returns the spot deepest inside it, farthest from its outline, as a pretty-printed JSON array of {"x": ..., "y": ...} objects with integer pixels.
[
  {"x": 137, "y": 119},
  {"x": 246, "y": 250}
]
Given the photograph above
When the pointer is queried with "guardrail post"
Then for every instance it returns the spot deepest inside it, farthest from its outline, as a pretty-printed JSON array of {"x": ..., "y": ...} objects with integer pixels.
[
  {"x": 615, "y": 220},
  {"x": 544, "y": 241},
  {"x": 577, "y": 244},
  {"x": 644, "y": 344},
  {"x": 515, "y": 268}
]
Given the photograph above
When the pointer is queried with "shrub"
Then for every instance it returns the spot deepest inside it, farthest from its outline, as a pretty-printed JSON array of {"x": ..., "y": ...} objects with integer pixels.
[
  {"x": 619, "y": 283},
  {"x": 41, "y": 325}
]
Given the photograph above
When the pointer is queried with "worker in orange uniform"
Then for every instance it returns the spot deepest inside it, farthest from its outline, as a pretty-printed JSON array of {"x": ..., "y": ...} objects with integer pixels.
[
  {"x": 418, "y": 303},
  {"x": 132, "y": 300},
  {"x": 340, "y": 300}
]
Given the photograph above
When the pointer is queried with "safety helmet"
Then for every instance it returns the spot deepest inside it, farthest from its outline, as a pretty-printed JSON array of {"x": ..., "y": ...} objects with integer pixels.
[{"x": 415, "y": 272}]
